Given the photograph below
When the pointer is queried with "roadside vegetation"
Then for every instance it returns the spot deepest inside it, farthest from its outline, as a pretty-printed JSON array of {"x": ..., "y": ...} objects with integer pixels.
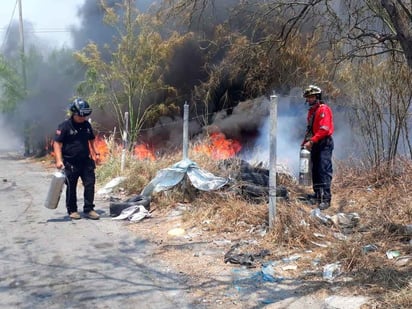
[{"x": 380, "y": 199}]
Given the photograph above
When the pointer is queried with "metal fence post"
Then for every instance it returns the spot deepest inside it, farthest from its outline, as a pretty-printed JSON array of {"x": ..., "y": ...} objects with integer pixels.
[
  {"x": 185, "y": 131},
  {"x": 124, "y": 150},
  {"x": 272, "y": 159}
]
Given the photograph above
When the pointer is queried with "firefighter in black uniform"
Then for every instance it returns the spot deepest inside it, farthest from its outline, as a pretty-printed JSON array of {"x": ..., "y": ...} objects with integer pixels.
[
  {"x": 73, "y": 146},
  {"x": 318, "y": 140}
]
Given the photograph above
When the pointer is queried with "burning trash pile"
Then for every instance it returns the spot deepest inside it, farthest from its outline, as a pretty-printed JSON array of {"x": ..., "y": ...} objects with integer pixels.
[
  {"x": 253, "y": 181},
  {"x": 238, "y": 175},
  {"x": 249, "y": 181}
]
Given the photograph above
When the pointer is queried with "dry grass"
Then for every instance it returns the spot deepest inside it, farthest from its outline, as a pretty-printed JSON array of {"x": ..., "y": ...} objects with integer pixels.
[{"x": 381, "y": 198}]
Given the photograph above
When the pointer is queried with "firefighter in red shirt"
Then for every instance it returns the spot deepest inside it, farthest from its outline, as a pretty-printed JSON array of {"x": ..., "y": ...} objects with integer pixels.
[{"x": 318, "y": 140}]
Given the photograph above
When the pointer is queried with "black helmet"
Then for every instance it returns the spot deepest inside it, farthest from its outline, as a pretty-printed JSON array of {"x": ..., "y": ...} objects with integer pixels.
[
  {"x": 312, "y": 90},
  {"x": 80, "y": 107}
]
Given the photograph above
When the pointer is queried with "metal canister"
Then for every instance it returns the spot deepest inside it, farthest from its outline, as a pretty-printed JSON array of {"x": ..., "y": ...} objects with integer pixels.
[
  {"x": 305, "y": 175},
  {"x": 55, "y": 189}
]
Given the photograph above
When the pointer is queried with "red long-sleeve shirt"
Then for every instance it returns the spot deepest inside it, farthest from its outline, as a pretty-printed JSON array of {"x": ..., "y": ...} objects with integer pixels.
[{"x": 322, "y": 123}]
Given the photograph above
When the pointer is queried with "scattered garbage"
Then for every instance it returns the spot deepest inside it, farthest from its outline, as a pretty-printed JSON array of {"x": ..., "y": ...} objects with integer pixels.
[
  {"x": 133, "y": 213},
  {"x": 340, "y": 236},
  {"x": 403, "y": 260},
  {"x": 222, "y": 242},
  {"x": 331, "y": 271},
  {"x": 291, "y": 258},
  {"x": 369, "y": 248},
  {"x": 169, "y": 177},
  {"x": 322, "y": 218},
  {"x": 346, "y": 221},
  {"x": 391, "y": 254},
  {"x": 254, "y": 180},
  {"x": 320, "y": 245},
  {"x": 268, "y": 273},
  {"x": 178, "y": 231},
  {"x": 117, "y": 207},
  {"x": 243, "y": 278},
  {"x": 247, "y": 259},
  {"x": 108, "y": 188},
  {"x": 316, "y": 261},
  {"x": 7, "y": 185}
]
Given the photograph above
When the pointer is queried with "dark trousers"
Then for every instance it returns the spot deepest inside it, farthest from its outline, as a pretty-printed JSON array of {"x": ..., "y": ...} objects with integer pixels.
[
  {"x": 321, "y": 156},
  {"x": 85, "y": 171}
]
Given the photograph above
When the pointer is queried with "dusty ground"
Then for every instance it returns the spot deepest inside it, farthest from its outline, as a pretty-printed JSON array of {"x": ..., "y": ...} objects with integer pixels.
[
  {"x": 49, "y": 261},
  {"x": 199, "y": 254},
  {"x": 190, "y": 251}
]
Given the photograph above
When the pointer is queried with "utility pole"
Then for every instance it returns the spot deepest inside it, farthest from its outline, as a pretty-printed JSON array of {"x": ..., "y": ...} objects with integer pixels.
[
  {"x": 22, "y": 55},
  {"x": 26, "y": 124}
]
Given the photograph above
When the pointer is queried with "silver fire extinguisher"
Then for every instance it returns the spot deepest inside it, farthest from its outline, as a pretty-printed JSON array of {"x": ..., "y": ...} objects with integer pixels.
[
  {"x": 55, "y": 189},
  {"x": 305, "y": 175}
]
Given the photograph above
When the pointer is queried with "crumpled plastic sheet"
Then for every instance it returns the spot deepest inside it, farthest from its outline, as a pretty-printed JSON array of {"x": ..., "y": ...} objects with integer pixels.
[
  {"x": 171, "y": 176},
  {"x": 234, "y": 256},
  {"x": 108, "y": 188},
  {"x": 134, "y": 213}
]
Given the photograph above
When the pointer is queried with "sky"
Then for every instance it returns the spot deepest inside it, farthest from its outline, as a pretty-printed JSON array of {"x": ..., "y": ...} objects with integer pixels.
[{"x": 51, "y": 19}]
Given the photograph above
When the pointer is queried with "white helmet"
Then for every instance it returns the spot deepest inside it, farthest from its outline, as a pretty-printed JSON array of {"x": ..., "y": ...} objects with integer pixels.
[{"x": 312, "y": 90}]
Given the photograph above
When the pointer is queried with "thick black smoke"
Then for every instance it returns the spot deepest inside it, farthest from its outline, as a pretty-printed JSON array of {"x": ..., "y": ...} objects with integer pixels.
[
  {"x": 50, "y": 78},
  {"x": 91, "y": 27}
]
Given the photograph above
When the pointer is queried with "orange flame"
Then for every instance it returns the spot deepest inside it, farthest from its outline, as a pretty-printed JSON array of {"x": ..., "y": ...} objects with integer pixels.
[
  {"x": 142, "y": 152},
  {"x": 219, "y": 147},
  {"x": 101, "y": 147}
]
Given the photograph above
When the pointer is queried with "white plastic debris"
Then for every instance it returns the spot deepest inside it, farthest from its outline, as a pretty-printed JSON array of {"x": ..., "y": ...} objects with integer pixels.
[
  {"x": 391, "y": 254},
  {"x": 176, "y": 231},
  {"x": 330, "y": 271},
  {"x": 133, "y": 213},
  {"x": 169, "y": 177},
  {"x": 349, "y": 220},
  {"x": 108, "y": 188},
  {"x": 325, "y": 219}
]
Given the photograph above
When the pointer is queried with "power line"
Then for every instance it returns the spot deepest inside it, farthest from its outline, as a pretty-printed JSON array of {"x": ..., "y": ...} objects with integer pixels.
[
  {"x": 43, "y": 29},
  {"x": 9, "y": 26},
  {"x": 48, "y": 31}
]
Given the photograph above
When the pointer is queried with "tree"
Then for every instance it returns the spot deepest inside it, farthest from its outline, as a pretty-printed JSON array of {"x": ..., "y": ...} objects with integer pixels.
[
  {"x": 401, "y": 18},
  {"x": 131, "y": 79},
  {"x": 364, "y": 27},
  {"x": 379, "y": 107},
  {"x": 12, "y": 88}
]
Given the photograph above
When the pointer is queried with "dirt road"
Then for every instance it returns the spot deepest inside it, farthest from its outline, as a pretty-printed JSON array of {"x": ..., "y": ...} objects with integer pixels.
[{"x": 49, "y": 261}]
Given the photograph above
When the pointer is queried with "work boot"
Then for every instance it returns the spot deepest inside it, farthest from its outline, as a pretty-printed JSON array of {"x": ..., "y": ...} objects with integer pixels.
[
  {"x": 313, "y": 199},
  {"x": 92, "y": 215},
  {"x": 75, "y": 215},
  {"x": 313, "y": 196},
  {"x": 324, "y": 205}
]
